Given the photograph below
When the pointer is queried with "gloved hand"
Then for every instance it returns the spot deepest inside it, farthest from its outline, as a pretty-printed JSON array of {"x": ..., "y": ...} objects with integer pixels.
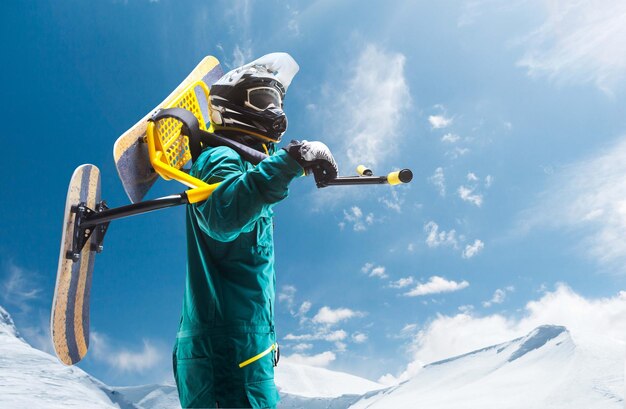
[{"x": 314, "y": 157}]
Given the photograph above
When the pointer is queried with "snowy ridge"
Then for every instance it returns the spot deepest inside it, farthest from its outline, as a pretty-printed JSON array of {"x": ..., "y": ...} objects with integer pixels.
[
  {"x": 34, "y": 379},
  {"x": 313, "y": 382},
  {"x": 544, "y": 369},
  {"x": 151, "y": 396},
  {"x": 7, "y": 326}
]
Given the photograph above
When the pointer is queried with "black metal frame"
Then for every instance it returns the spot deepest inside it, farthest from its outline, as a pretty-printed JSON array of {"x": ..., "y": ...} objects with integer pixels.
[
  {"x": 96, "y": 221},
  {"x": 88, "y": 221}
]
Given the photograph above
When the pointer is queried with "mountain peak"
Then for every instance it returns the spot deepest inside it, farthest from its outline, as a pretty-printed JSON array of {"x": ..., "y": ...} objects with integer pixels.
[
  {"x": 548, "y": 370},
  {"x": 536, "y": 339},
  {"x": 7, "y": 326}
]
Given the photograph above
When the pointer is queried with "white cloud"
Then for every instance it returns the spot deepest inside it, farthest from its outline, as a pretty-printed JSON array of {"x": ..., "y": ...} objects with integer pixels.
[
  {"x": 124, "y": 360},
  {"x": 439, "y": 121},
  {"x": 488, "y": 181},
  {"x": 287, "y": 296},
  {"x": 319, "y": 360},
  {"x": 589, "y": 197},
  {"x": 335, "y": 336},
  {"x": 579, "y": 42},
  {"x": 394, "y": 202},
  {"x": 438, "y": 179},
  {"x": 239, "y": 14},
  {"x": 302, "y": 347},
  {"x": 359, "y": 337},
  {"x": 293, "y": 25},
  {"x": 374, "y": 90},
  {"x": 457, "y": 152},
  {"x": 467, "y": 308},
  {"x": 471, "y": 177},
  {"x": 436, "y": 238},
  {"x": 450, "y": 138},
  {"x": 371, "y": 271},
  {"x": 473, "y": 249},
  {"x": 498, "y": 296},
  {"x": 448, "y": 336},
  {"x": 357, "y": 218},
  {"x": 304, "y": 308},
  {"x": 321, "y": 334},
  {"x": 467, "y": 194},
  {"x": 378, "y": 272},
  {"x": 18, "y": 287},
  {"x": 401, "y": 283},
  {"x": 241, "y": 55},
  {"x": 436, "y": 285},
  {"x": 409, "y": 329},
  {"x": 328, "y": 316}
]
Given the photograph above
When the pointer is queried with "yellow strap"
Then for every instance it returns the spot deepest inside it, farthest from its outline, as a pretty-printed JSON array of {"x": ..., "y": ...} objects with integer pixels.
[{"x": 259, "y": 356}]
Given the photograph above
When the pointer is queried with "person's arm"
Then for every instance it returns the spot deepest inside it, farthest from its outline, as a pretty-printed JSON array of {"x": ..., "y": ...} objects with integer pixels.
[{"x": 243, "y": 195}]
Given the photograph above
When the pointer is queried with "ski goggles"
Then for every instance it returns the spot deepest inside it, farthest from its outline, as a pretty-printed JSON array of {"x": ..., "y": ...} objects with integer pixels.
[{"x": 262, "y": 98}]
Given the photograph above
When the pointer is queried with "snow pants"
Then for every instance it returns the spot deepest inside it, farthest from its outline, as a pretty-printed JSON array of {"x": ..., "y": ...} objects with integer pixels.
[{"x": 208, "y": 373}]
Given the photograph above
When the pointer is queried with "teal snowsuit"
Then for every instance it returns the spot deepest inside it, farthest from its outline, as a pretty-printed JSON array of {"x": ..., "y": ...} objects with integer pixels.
[{"x": 228, "y": 307}]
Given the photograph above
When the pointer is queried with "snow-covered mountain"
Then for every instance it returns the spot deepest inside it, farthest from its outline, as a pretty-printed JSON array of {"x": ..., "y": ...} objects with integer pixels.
[
  {"x": 33, "y": 379},
  {"x": 547, "y": 369}
]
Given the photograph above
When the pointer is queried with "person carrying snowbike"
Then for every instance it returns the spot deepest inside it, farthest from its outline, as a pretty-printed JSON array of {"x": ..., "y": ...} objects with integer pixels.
[{"x": 226, "y": 348}]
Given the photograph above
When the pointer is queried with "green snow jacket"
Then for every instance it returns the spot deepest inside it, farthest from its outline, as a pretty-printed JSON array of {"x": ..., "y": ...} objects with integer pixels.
[{"x": 227, "y": 315}]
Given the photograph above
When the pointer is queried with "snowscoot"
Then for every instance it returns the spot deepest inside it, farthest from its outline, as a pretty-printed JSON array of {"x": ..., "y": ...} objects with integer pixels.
[{"x": 159, "y": 145}]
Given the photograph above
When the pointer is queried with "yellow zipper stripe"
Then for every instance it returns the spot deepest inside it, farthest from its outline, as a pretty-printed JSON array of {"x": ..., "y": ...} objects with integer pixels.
[{"x": 259, "y": 356}]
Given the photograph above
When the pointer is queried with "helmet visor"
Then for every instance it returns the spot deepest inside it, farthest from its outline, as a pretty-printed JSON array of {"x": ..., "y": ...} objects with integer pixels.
[{"x": 262, "y": 98}]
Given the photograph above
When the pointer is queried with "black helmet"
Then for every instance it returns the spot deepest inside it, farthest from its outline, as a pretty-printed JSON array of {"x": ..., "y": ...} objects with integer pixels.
[{"x": 250, "y": 98}]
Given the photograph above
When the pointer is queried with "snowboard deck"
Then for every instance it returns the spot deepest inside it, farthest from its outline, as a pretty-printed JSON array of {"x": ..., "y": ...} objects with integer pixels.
[
  {"x": 131, "y": 150},
  {"x": 70, "y": 308}
]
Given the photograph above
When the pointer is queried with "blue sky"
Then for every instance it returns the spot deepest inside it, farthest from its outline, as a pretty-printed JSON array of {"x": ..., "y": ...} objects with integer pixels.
[{"x": 511, "y": 117}]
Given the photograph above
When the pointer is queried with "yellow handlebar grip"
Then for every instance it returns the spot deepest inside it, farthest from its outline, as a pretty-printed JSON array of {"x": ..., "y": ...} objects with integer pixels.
[
  {"x": 401, "y": 176},
  {"x": 364, "y": 170},
  {"x": 394, "y": 178}
]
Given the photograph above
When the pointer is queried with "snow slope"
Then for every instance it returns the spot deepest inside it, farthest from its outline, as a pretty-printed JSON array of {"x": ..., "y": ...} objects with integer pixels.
[
  {"x": 545, "y": 369},
  {"x": 33, "y": 379},
  {"x": 312, "y": 382}
]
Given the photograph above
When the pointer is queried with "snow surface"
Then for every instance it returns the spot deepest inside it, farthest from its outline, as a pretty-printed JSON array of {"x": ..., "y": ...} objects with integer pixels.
[
  {"x": 547, "y": 369},
  {"x": 312, "y": 382},
  {"x": 151, "y": 396},
  {"x": 33, "y": 379}
]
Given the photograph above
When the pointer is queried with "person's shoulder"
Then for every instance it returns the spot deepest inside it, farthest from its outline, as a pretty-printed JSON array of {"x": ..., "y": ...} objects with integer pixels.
[
  {"x": 215, "y": 159},
  {"x": 219, "y": 153}
]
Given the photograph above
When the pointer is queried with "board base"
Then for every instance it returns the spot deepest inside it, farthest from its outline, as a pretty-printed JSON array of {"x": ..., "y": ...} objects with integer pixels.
[{"x": 69, "y": 320}]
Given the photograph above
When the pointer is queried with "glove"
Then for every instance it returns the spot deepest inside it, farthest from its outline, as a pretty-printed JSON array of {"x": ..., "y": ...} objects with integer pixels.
[{"x": 314, "y": 157}]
